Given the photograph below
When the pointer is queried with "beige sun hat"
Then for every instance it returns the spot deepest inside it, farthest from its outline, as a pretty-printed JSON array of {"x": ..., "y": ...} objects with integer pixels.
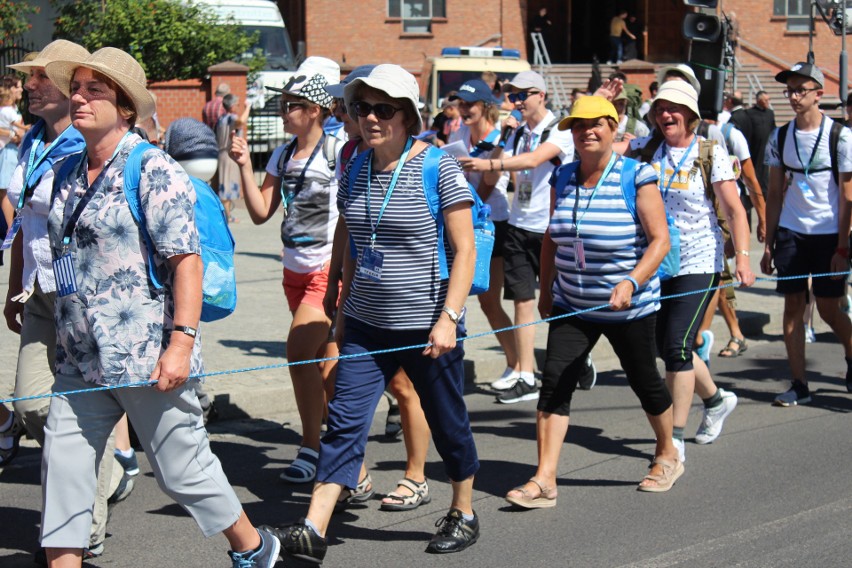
[
  {"x": 114, "y": 63},
  {"x": 59, "y": 50},
  {"x": 394, "y": 81},
  {"x": 678, "y": 92}
]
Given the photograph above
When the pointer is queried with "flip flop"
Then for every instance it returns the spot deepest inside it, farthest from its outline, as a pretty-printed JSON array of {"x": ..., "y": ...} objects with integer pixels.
[
  {"x": 546, "y": 497},
  {"x": 671, "y": 473}
]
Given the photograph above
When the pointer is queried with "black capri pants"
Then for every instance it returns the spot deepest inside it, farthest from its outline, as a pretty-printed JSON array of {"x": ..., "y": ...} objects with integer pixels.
[
  {"x": 679, "y": 318},
  {"x": 569, "y": 342}
]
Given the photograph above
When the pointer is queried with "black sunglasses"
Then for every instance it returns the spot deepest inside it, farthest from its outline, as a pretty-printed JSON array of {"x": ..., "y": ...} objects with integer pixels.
[
  {"x": 383, "y": 111},
  {"x": 522, "y": 96},
  {"x": 287, "y": 107}
]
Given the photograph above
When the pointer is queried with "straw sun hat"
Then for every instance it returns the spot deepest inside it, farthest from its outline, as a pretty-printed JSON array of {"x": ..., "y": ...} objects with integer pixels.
[
  {"x": 59, "y": 50},
  {"x": 114, "y": 63}
]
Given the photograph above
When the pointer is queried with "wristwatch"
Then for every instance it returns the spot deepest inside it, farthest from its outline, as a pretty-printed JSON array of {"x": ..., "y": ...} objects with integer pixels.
[
  {"x": 454, "y": 315},
  {"x": 190, "y": 331},
  {"x": 743, "y": 252}
]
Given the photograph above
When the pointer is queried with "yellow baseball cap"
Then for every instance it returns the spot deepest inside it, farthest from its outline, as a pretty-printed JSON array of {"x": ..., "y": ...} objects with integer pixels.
[{"x": 589, "y": 107}]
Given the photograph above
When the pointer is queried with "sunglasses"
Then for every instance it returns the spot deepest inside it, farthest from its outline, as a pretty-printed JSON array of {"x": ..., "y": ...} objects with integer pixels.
[
  {"x": 522, "y": 96},
  {"x": 383, "y": 111},
  {"x": 288, "y": 107}
]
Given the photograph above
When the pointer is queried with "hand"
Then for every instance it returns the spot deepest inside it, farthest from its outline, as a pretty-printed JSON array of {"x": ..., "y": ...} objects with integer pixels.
[
  {"x": 475, "y": 164},
  {"x": 761, "y": 231},
  {"x": 14, "y": 314},
  {"x": 239, "y": 150},
  {"x": 621, "y": 296},
  {"x": 545, "y": 303},
  {"x": 766, "y": 263},
  {"x": 628, "y": 137},
  {"x": 744, "y": 273},
  {"x": 329, "y": 301},
  {"x": 839, "y": 263},
  {"x": 172, "y": 370},
  {"x": 339, "y": 323},
  {"x": 610, "y": 89},
  {"x": 442, "y": 337}
]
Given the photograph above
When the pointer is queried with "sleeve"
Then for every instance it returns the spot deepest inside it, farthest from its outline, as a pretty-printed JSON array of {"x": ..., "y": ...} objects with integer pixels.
[
  {"x": 771, "y": 157},
  {"x": 739, "y": 145},
  {"x": 722, "y": 169},
  {"x": 452, "y": 185},
  {"x": 168, "y": 198},
  {"x": 564, "y": 140},
  {"x": 645, "y": 174},
  {"x": 637, "y": 144},
  {"x": 272, "y": 164},
  {"x": 844, "y": 151}
]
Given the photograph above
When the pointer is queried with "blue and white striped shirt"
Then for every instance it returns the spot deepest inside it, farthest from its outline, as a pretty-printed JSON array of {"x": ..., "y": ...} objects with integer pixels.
[{"x": 613, "y": 243}]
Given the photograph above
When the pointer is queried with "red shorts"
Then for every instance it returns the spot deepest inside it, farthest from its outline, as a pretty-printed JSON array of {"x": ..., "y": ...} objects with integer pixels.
[{"x": 305, "y": 288}]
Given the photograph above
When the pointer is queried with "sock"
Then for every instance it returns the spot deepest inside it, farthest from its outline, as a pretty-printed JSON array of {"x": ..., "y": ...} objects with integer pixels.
[
  {"x": 313, "y": 527},
  {"x": 8, "y": 424},
  {"x": 467, "y": 517},
  {"x": 125, "y": 453},
  {"x": 714, "y": 400},
  {"x": 801, "y": 388},
  {"x": 677, "y": 433},
  {"x": 510, "y": 371},
  {"x": 528, "y": 378}
]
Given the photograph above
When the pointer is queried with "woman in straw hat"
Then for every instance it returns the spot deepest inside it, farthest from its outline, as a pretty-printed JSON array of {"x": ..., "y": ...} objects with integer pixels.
[
  {"x": 114, "y": 329},
  {"x": 392, "y": 296},
  {"x": 689, "y": 201},
  {"x": 603, "y": 246}
]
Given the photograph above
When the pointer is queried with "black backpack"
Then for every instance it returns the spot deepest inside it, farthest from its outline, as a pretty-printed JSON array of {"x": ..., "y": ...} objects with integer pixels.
[{"x": 833, "y": 141}]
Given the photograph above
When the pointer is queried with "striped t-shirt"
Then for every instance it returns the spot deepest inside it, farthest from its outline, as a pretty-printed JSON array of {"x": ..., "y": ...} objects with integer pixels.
[
  {"x": 613, "y": 243},
  {"x": 410, "y": 294}
]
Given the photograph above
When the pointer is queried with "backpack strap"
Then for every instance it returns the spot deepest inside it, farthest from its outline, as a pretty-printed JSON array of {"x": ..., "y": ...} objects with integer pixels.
[
  {"x": 284, "y": 158},
  {"x": 726, "y": 132},
  {"x": 833, "y": 141},
  {"x": 545, "y": 134},
  {"x": 628, "y": 185},
  {"x": 703, "y": 129},
  {"x": 631, "y": 125},
  {"x": 348, "y": 150},
  {"x": 782, "y": 139},
  {"x": 431, "y": 164},
  {"x": 132, "y": 177},
  {"x": 564, "y": 173},
  {"x": 705, "y": 165},
  {"x": 354, "y": 170},
  {"x": 330, "y": 150}
]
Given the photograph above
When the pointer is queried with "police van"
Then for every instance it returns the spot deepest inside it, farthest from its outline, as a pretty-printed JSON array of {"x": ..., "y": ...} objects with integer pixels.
[{"x": 459, "y": 64}]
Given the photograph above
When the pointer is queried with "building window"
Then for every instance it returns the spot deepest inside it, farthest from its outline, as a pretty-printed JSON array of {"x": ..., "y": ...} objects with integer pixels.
[
  {"x": 416, "y": 15},
  {"x": 797, "y": 13}
]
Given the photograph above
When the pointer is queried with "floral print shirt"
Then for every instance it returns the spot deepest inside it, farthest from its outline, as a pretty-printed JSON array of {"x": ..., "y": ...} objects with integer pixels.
[{"x": 114, "y": 329}]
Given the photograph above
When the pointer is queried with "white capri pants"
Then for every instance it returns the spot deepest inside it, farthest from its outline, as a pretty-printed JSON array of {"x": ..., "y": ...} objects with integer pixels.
[{"x": 170, "y": 429}]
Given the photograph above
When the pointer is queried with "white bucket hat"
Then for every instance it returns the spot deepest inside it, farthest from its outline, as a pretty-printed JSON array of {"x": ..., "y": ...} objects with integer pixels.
[
  {"x": 59, "y": 50},
  {"x": 678, "y": 92},
  {"x": 114, "y": 63},
  {"x": 310, "y": 80},
  {"x": 681, "y": 69},
  {"x": 392, "y": 80}
]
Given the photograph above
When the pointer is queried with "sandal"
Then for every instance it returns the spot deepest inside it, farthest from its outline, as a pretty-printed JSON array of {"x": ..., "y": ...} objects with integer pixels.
[
  {"x": 362, "y": 493},
  {"x": 671, "y": 473},
  {"x": 546, "y": 496},
  {"x": 303, "y": 469},
  {"x": 419, "y": 496},
  {"x": 740, "y": 347}
]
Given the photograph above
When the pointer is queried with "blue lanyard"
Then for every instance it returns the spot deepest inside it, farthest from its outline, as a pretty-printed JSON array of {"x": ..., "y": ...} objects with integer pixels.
[
  {"x": 394, "y": 178},
  {"x": 34, "y": 161},
  {"x": 677, "y": 169},
  {"x": 807, "y": 166},
  {"x": 613, "y": 158},
  {"x": 288, "y": 196}
]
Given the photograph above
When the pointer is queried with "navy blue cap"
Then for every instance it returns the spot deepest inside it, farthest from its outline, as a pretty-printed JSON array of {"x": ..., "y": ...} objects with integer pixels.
[
  {"x": 359, "y": 72},
  {"x": 475, "y": 90}
]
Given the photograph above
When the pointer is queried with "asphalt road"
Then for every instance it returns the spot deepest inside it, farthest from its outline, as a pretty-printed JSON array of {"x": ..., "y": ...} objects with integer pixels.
[{"x": 773, "y": 490}]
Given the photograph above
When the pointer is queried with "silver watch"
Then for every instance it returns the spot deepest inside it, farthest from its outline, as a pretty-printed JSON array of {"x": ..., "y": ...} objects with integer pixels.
[{"x": 454, "y": 315}]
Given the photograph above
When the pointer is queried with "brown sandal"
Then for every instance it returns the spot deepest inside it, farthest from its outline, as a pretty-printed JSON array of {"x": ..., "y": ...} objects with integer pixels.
[
  {"x": 740, "y": 347},
  {"x": 546, "y": 496},
  {"x": 671, "y": 473}
]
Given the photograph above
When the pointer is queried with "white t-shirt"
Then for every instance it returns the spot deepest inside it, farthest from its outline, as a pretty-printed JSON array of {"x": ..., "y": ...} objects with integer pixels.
[
  {"x": 310, "y": 219},
  {"x": 640, "y": 130},
  {"x": 531, "y": 204},
  {"x": 701, "y": 242},
  {"x": 810, "y": 204},
  {"x": 498, "y": 200},
  {"x": 738, "y": 143},
  {"x": 8, "y": 115}
]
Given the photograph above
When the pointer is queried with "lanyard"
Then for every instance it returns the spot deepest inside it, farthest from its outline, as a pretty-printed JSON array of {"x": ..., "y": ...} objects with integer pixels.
[
  {"x": 300, "y": 181},
  {"x": 613, "y": 158},
  {"x": 807, "y": 166},
  {"x": 71, "y": 223},
  {"x": 485, "y": 145},
  {"x": 34, "y": 161},
  {"x": 677, "y": 169},
  {"x": 396, "y": 172}
]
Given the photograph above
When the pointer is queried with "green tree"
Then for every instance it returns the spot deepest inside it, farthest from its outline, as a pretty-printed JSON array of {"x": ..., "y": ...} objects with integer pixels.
[
  {"x": 13, "y": 19},
  {"x": 171, "y": 39}
]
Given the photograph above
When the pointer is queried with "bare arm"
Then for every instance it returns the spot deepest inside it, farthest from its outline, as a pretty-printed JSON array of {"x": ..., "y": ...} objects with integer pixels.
[
  {"x": 348, "y": 273},
  {"x": 525, "y": 161},
  {"x": 774, "y": 202},
  {"x": 242, "y": 119},
  {"x": 13, "y": 311},
  {"x": 335, "y": 267},
  {"x": 755, "y": 193},
  {"x": 547, "y": 266},
  {"x": 262, "y": 202}
]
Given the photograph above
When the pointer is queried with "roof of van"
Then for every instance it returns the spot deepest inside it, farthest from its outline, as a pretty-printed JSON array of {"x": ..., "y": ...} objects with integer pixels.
[{"x": 247, "y": 12}]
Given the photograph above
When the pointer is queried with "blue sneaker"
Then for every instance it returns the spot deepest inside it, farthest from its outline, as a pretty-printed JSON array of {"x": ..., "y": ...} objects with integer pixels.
[
  {"x": 130, "y": 465},
  {"x": 703, "y": 352},
  {"x": 264, "y": 557}
]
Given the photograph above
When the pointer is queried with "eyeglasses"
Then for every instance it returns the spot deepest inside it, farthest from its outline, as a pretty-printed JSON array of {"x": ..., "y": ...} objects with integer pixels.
[
  {"x": 382, "y": 111},
  {"x": 660, "y": 109},
  {"x": 522, "y": 96},
  {"x": 288, "y": 107},
  {"x": 798, "y": 93}
]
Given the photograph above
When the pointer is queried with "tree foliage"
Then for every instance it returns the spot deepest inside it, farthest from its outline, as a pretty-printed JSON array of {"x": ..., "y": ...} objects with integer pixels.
[
  {"x": 171, "y": 39},
  {"x": 13, "y": 19}
]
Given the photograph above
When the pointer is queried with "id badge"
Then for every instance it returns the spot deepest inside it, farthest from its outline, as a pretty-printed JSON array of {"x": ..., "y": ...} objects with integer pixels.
[
  {"x": 523, "y": 193},
  {"x": 63, "y": 272},
  {"x": 371, "y": 265},
  {"x": 805, "y": 187},
  {"x": 579, "y": 254},
  {"x": 10, "y": 235}
]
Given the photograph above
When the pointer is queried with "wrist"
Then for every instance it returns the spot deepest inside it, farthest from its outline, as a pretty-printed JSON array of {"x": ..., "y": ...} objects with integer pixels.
[
  {"x": 842, "y": 251},
  {"x": 632, "y": 282}
]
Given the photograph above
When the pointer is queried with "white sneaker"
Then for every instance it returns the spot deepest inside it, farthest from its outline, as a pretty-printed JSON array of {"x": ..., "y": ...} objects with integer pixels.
[
  {"x": 810, "y": 336},
  {"x": 711, "y": 423},
  {"x": 507, "y": 380},
  {"x": 681, "y": 449}
]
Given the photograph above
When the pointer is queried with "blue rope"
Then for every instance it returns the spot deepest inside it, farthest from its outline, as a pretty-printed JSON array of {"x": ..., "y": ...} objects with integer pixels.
[{"x": 420, "y": 346}]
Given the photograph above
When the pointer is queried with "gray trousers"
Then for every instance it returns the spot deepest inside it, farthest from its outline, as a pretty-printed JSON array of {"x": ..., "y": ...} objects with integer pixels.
[
  {"x": 36, "y": 357},
  {"x": 171, "y": 430}
]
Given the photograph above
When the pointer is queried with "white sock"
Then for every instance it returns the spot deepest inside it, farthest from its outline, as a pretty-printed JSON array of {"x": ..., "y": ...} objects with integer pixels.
[
  {"x": 509, "y": 372},
  {"x": 312, "y": 526},
  {"x": 527, "y": 377}
]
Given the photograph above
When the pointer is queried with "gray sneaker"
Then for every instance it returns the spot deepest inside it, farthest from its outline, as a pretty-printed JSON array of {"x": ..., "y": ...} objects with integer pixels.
[
  {"x": 520, "y": 392},
  {"x": 714, "y": 418},
  {"x": 264, "y": 557},
  {"x": 590, "y": 377},
  {"x": 798, "y": 394},
  {"x": 15, "y": 432}
]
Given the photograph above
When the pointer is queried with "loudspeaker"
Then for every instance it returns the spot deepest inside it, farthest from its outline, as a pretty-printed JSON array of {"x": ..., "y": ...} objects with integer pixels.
[
  {"x": 701, "y": 27},
  {"x": 712, "y": 88},
  {"x": 709, "y": 52}
]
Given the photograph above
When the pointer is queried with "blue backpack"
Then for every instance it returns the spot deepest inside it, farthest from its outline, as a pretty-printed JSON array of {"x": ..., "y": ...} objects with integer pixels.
[
  {"x": 483, "y": 227},
  {"x": 628, "y": 181},
  {"x": 219, "y": 285}
]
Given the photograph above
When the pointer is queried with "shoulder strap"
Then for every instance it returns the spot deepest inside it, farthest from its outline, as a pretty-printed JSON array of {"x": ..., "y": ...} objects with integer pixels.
[
  {"x": 726, "y": 132},
  {"x": 705, "y": 158},
  {"x": 628, "y": 185},
  {"x": 356, "y": 168},
  {"x": 132, "y": 177},
  {"x": 782, "y": 139},
  {"x": 631, "y": 125},
  {"x": 646, "y": 153},
  {"x": 285, "y": 157},
  {"x": 330, "y": 149},
  {"x": 518, "y": 133},
  {"x": 703, "y": 129},
  {"x": 564, "y": 173},
  {"x": 833, "y": 141},
  {"x": 431, "y": 166},
  {"x": 68, "y": 165},
  {"x": 348, "y": 150}
]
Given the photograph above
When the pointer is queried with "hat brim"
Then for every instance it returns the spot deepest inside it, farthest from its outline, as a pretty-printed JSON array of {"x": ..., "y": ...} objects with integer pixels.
[
  {"x": 785, "y": 75},
  {"x": 568, "y": 121},
  {"x": 469, "y": 97},
  {"x": 61, "y": 73},
  {"x": 678, "y": 99},
  {"x": 391, "y": 89},
  {"x": 25, "y": 66}
]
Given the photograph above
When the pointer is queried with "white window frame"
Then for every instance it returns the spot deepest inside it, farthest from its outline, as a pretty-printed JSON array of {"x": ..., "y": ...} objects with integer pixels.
[
  {"x": 797, "y": 13},
  {"x": 421, "y": 23}
]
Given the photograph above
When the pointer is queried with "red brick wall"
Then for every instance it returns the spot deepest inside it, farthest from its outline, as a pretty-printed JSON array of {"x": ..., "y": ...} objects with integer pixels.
[
  {"x": 358, "y": 33},
  {"x": 185, "y": 98}
]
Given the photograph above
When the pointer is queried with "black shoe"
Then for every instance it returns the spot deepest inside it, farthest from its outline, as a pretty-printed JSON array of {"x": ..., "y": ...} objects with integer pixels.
[
  {"x": 300, "y": 541},
  {"x": 455, "y": 534}
]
